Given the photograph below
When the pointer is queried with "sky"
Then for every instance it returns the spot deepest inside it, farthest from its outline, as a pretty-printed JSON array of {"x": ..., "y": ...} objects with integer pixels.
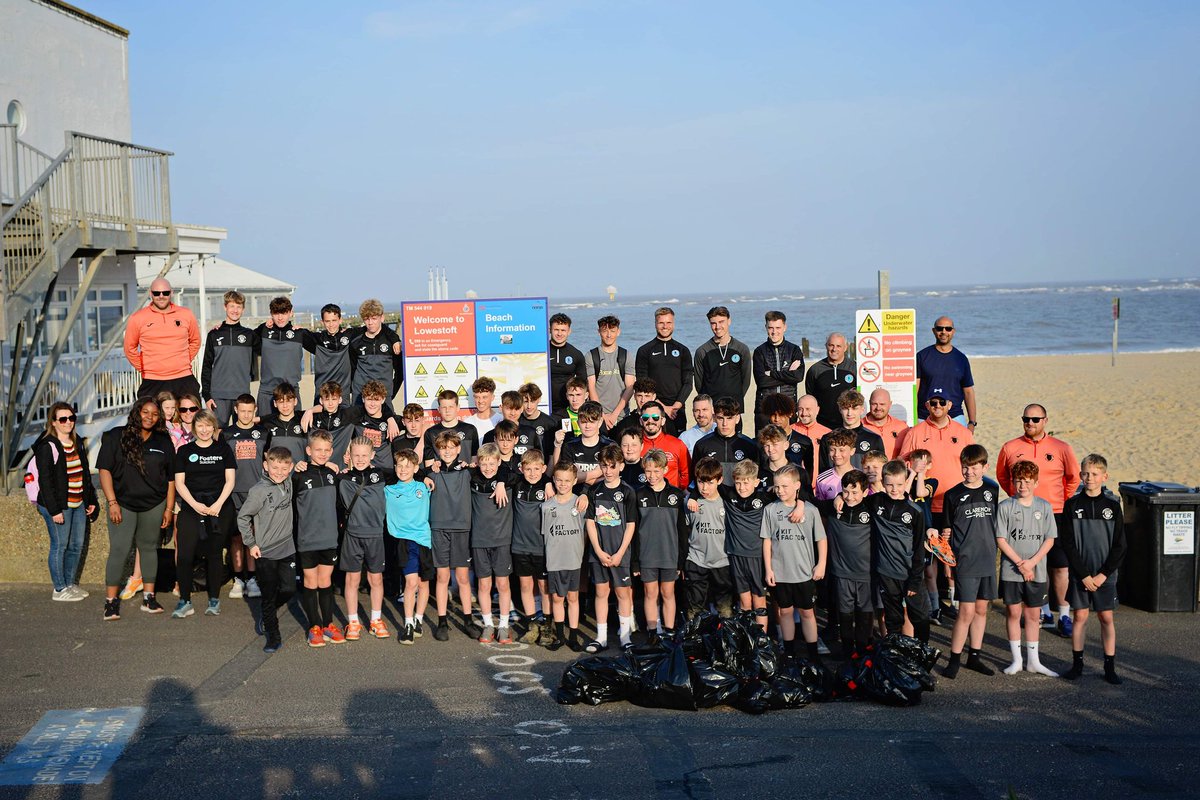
[{"x": 558, "y": 147}]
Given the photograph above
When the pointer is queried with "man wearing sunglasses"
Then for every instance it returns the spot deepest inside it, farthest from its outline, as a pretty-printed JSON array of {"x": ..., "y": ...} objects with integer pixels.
[
  {"x": 1058, "y": 478},
  {"x": 945, "y": 439},
  {"x": 654, "y": 418},
  {"x": 160, "y": 342},
  {"x": 945, "y": 366}
]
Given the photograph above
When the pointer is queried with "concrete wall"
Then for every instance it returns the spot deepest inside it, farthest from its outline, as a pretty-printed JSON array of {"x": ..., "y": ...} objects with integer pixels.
[
  {"x": 68, "y": 73},
  {"x": 25, "y": 545}
]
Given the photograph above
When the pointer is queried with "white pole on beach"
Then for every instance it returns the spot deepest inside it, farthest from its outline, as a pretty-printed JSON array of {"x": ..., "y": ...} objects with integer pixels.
[
  {"x": 1116, "y": 319},
  {"x": 885, "y": 289}
]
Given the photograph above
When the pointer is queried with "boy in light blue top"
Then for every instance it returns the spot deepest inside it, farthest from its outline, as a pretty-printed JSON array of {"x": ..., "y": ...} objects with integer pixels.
[{"x": 408, "y": 521}]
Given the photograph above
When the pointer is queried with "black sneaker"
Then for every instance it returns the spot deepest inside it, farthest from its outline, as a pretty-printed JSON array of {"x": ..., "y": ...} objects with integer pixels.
[
  {"x": 442, "y": 632},
  {"x": 417, "y": 633},
  {"x": 150, "y": 605},
  {"x": 406, "y": 635},
  {"x": 272, "y": 646},
  {"x": 112, "y": 609}
]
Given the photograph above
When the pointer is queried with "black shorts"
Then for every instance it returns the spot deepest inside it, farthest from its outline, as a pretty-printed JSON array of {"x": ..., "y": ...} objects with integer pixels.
[
  {"x": 656, "y": 575},
  {"x": 853, "y": 595},
  {"x": 451, "y": 549},
  {"x": 794, "y": 595},
  {"x": 1103, "y": 599},
  {"x": 1028, "y": 593},
  {"x": 1057, "y": 557},
  {"x": 417, "y": 559},
  {"x": 492, "y": 561},
  {"x": 561, "y": 581},
  {"x": 747, "y": 572},
  {"x": 529, "y": 565},
  {"x": 311, "y": 559},
  {"x": 619, "y": 576},
  {"x": 360, "y": 551},
  {"x": 968, "y": 590}
]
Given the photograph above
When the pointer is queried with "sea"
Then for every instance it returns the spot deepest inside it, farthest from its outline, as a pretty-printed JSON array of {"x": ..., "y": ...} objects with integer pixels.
[{"x": 1156, "y": 315}]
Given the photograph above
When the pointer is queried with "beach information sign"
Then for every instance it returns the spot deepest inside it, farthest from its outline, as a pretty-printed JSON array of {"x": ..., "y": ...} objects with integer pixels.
[
  {"x": 450, "y": 343},
  {"x": 885, "y": 349}
]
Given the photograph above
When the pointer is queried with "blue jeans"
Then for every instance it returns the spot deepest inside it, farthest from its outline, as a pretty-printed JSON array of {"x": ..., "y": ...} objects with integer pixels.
[{"x": 66, "y": 544}]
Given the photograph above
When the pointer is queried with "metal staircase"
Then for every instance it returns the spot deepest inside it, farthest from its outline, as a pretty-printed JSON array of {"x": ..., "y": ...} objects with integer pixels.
[{"x": 98, "y": 198}]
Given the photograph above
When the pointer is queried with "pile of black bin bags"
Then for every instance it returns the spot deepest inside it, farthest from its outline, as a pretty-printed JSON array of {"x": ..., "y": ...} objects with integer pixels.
[{"x": 732, "y": 661}]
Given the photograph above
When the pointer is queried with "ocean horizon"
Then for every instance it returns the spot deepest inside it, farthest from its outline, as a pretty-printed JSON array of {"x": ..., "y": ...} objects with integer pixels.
[{"x": 1044, "y": 318}]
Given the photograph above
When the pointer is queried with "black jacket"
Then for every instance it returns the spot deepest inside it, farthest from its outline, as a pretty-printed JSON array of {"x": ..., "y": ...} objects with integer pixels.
[{"x": 52, "y": 474}]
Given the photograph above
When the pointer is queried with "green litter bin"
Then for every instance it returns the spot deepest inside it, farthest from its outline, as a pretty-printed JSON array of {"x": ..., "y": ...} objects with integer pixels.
[{"x": 1162, "y": 565}]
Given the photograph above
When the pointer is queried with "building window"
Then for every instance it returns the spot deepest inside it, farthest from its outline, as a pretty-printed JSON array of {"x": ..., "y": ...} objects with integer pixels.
[
  {"x": 16, "y": 116},
  {"x": 102, "y": 313}
]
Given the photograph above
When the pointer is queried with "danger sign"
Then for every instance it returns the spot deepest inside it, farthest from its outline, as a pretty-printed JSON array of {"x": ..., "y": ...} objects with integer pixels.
[{"x": 887, "y": 356}]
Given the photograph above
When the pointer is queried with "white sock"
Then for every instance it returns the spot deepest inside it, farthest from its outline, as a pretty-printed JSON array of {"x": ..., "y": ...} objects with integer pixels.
[
  {"x": 352, "y": 618},
  {"x": 625, "y": 625},
  {"x": 1064, "y": 611},
  {"x": 410, "y": 620},
  {"x": 376, "y": 614},
  {"x": 1046, "y": 612},
  {"x": 1015, "y": 666},
  {"x": 602, "y": 631},
  {"x": 951, "y": 596},
  {"x": 1033, "y": 664},
  {"x": 488, "y": 622}
]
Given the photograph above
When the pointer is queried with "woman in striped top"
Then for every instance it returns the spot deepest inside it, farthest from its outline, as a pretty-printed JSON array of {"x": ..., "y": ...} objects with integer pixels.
[{"x": 66, "y": 497}]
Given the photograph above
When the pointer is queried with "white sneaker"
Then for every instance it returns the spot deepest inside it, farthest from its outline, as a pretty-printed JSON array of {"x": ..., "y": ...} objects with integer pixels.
[
  {"x": 77, "y": 590},
  {"x": 65, "y": 595},
  {"x": 252, "y": 589},
  {"x": 235, "y": 591}
]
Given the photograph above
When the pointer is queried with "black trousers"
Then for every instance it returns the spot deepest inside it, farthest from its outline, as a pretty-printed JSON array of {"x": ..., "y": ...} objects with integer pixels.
[
  {"x": 202, "y": 536},
  {"x": 896, "y": 601},
  {"x": 703, "y": 586},
  {"x": 187, "y": 384},
  {"x": 277, "y": 580}
]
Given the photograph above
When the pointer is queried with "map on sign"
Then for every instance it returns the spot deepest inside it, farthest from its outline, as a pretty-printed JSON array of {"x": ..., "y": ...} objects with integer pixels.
[
  {"x": 448, "y": 344},
  {"x": 886, "y": 346}
]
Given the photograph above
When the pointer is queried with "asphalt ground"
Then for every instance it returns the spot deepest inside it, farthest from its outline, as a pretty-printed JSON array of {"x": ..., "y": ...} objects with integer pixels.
[{"x": 460, "y": 719}]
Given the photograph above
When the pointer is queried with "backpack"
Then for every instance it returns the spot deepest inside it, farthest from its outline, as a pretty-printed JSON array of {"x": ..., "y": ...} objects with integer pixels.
[
  {"x": 622, "y": 356},
  {"x": 32, "y": 487}
]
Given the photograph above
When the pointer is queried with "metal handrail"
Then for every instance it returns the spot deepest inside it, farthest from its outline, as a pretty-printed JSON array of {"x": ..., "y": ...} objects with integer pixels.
[{"x": 76, "y": 134}]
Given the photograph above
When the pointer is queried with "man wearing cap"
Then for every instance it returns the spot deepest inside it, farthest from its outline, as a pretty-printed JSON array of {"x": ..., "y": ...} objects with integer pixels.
[
  {"x": 1058, "y": 478},
  {"x": 880, "y": 420},
  {"x": 161, "y": 340},
  {"x": 943, "y": 368}
]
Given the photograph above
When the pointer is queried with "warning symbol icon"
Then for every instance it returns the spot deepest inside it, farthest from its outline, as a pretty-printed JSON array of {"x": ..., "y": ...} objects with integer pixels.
[
  {"x": 462, "y": 390},
  {"x": 461, "y": 369},
  {"x": 868, "y": 326},
  {"x": 421, "y": 393},
  {"x": 420, "y": 370},
  {"x": 440, "y": 369}
]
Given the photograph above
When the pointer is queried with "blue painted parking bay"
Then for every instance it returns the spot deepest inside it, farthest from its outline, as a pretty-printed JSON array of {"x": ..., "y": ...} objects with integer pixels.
[{"x": 73, "y": 746}]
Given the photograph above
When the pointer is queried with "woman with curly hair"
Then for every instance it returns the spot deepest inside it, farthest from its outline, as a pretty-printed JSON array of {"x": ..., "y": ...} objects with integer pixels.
[{"x": 138, "y": 478}]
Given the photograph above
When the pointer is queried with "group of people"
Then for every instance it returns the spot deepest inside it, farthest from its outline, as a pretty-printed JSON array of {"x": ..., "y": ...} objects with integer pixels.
[{"x": 834, "y": 504}]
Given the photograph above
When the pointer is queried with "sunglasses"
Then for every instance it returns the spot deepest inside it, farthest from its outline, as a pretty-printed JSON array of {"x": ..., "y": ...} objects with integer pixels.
[
  {"x": 70, "y": 418},
  {"x": 652, "y": 416},
  {"x": 1032, "y": 419},
  {"x": 167, "y": 293},
  {"x": 943, "y": 328},
  {"x": 188, "y": 409},
  {"x": 937, "y": 401}
]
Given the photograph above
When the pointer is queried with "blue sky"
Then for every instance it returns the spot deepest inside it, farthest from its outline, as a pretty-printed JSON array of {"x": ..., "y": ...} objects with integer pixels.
[{"x": 557, "y": 147}]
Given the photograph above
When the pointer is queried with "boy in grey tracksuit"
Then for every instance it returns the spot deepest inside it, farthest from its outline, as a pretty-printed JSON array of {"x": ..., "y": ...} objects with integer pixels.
[{"x": 265, "y": 522}]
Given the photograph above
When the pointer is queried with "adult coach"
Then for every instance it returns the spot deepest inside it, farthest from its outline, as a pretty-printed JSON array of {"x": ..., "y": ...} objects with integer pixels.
[
  {"x": 778, "y": 366},
  {"x": 879, "y": 419},
  {"x": 1058, "y": 478},
  {"x": 723, "y": 363},
  {"x": 828, "y": 378},
  {"x": 566, "y": 361},
  {"x": 669, "y": 364},
  {"x": 161, "y": 340},
  {"x": 942, "y": 367}
]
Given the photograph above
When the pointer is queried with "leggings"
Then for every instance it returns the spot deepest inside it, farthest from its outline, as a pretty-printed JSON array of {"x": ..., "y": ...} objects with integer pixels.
[
  {"x": 142, "y": 528},
  {"x": 205, "y": 536}
]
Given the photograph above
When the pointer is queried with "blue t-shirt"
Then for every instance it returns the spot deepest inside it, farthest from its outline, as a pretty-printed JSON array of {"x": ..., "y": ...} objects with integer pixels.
[
  {"x": 942, "y": 375},
  {"x": 408, "y": 511}
]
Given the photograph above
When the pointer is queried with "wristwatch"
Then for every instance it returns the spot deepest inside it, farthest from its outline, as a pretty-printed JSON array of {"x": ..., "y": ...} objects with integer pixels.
[{"x": 972, "y": 423}]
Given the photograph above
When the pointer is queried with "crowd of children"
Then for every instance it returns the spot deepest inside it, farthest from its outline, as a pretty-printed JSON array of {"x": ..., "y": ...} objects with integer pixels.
[{"x": 598, "y": 503}]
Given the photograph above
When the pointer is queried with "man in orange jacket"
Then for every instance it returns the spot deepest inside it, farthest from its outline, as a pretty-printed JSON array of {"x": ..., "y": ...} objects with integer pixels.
[{"x": 160, "y": 342}]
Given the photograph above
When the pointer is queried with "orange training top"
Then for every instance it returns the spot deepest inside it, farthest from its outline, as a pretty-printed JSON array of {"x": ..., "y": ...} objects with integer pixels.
[
  {"x": 162, "y": 344},
  {"x": 677, "y": 457},
  {"x": 945, "y": 445},
  {"x": 1058, "y": 469},
  {"x": 891, "y": 431}
]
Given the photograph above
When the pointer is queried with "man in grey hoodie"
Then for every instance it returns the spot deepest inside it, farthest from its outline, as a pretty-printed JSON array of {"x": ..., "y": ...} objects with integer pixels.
[{"x": 265, "y": 522}]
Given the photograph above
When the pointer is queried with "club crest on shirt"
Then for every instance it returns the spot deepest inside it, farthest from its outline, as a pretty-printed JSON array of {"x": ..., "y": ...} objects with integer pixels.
[
  {"x": 374, "y": 477},
  {"x": 675, "y": 353},
  {"x": 735, "y": 358},
  {"x": 255, "y": 435},
  {"x": 1037, "y": 515},
  {"x": 345, "y": 340},
  {"x": 864, "y": 446},
  {"x": 738, "y": 455},
  {"x": 1049, "y": 456},
  {"x": 987, "y": 495},
  {"x": 795, "y": 447},
  {"x": 618, "y": 496},
  {"x": 849, "y": 379},
  {"x": 290, "y": 334},
  {"x": 568, "y": 360},
  {"x": 864, "y": 518},
  {"x": 1107, "y": 513},
  {"x": 756, "y": 503},
  {"x": 241, "y": 338},
  {"x": 383, "y": 347},
  {"x": 672, "y": 500},
  {"x": 906, "y": 518}
]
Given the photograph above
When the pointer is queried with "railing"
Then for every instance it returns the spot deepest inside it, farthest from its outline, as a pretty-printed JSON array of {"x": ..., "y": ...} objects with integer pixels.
[
  {"x": 111, "y": 390},
  {"x": 96, "y": 182},
  {"x": 20, "y": 164}
]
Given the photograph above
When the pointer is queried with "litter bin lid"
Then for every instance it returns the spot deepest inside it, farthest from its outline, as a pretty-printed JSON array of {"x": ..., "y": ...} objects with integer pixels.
[{"x": 1162, "y": 492}]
